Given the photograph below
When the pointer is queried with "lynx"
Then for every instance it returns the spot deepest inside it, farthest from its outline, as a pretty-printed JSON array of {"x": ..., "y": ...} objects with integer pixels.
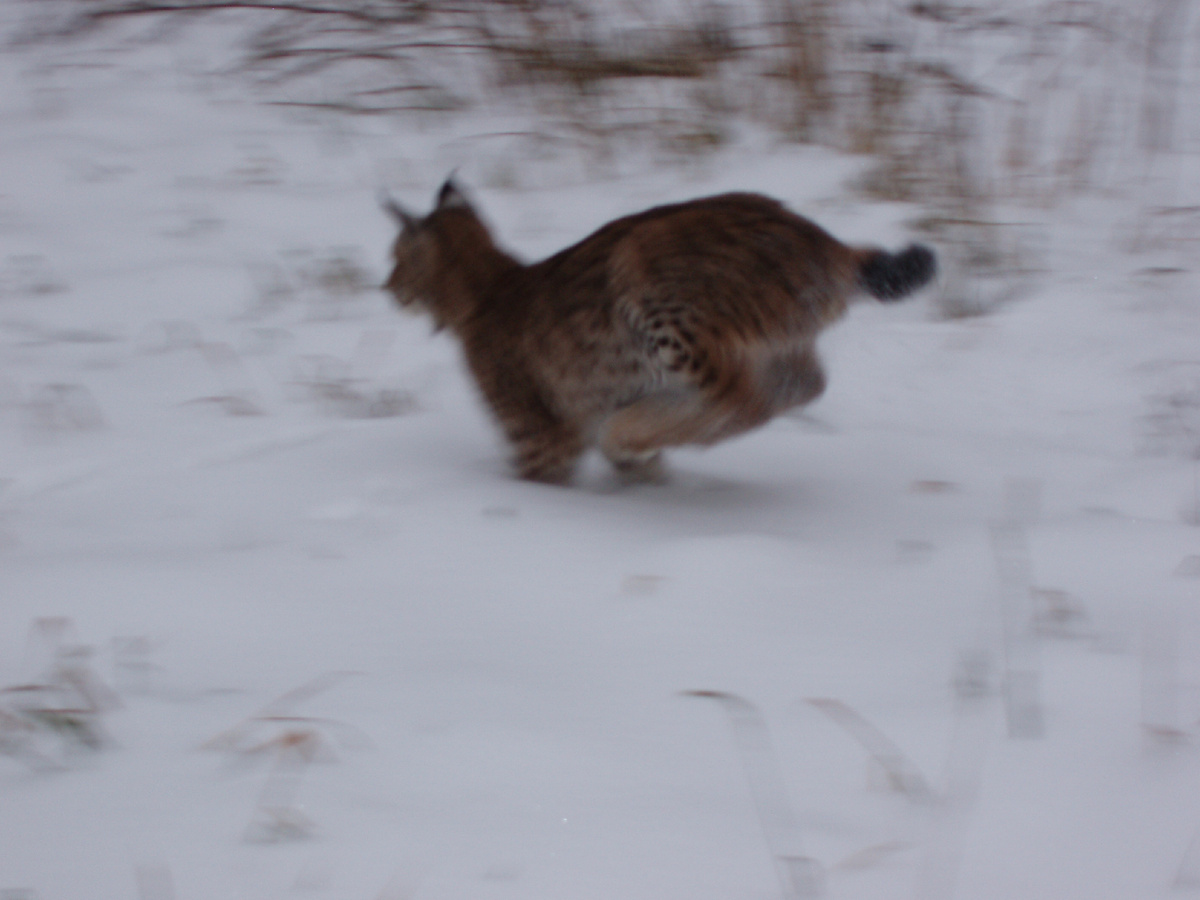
[{"x": 684, "y": 324}]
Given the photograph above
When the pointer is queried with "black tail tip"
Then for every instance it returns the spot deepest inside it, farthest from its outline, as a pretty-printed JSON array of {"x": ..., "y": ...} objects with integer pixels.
[{"x": 891, "y": 276}]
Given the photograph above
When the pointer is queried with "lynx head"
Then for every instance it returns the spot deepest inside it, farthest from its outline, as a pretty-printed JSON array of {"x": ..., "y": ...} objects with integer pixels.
[{"x": 435, "y": 257}]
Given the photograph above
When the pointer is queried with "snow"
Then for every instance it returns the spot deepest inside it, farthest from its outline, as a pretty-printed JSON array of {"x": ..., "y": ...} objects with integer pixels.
[{"x": 231, "y": 470}]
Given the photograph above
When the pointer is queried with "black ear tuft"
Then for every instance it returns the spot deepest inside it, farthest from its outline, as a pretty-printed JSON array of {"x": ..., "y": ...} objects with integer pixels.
[
  {"x": 451, "y": 196},
  {"x": 403, "y": 217}
]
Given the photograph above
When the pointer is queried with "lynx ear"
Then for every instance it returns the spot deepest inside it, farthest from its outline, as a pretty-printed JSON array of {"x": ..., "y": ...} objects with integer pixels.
[
  {"x": 403, "y": 217},
  {"x": 451, "y": 197}
]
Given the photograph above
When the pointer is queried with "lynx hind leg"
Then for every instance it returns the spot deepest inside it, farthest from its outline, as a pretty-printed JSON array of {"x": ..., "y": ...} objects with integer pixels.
[
  {"x": 673, "y": 418},
  {"x": 792, "y": 378},
  {"x": 717, "y": 407},
  {"x": 714, "y": 387}
]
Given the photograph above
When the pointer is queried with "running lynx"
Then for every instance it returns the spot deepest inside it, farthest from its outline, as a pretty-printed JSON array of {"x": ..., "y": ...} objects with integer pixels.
[{"x": 683, "y": 324}]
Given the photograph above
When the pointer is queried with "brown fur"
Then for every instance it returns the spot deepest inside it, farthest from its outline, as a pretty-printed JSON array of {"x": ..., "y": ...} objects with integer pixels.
[{"x": 683, "y": 324}]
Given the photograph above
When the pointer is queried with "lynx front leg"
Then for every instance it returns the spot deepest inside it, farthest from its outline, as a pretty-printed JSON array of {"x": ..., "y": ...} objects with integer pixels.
[
  {"x": 548, "y": 463},
  {"x": 545, "y": 447},
  {"x": 546, "y": 452}
]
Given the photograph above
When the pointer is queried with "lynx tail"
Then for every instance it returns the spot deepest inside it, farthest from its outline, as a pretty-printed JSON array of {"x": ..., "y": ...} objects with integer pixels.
[{"x": 891, "y": 276}]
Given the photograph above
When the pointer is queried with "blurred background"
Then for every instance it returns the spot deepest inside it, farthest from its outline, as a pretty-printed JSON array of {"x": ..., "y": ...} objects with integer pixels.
[{"x": 969, "y": 108}]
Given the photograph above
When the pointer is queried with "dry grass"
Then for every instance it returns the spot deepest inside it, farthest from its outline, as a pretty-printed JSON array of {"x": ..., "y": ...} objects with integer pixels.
[
  {"x": 897, "y": 82},
  {"x": 1075, "y": 94},
  {"x": 290, "y": 743},
  {"x": 58, "y": 713}
]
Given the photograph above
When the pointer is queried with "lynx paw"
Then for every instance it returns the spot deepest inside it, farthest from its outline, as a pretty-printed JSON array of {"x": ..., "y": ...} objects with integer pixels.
[{"x": 549, "y": 463}]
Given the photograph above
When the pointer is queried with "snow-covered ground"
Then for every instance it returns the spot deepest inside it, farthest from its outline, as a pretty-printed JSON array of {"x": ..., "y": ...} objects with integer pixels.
[{"x": 232, "y": 470}]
